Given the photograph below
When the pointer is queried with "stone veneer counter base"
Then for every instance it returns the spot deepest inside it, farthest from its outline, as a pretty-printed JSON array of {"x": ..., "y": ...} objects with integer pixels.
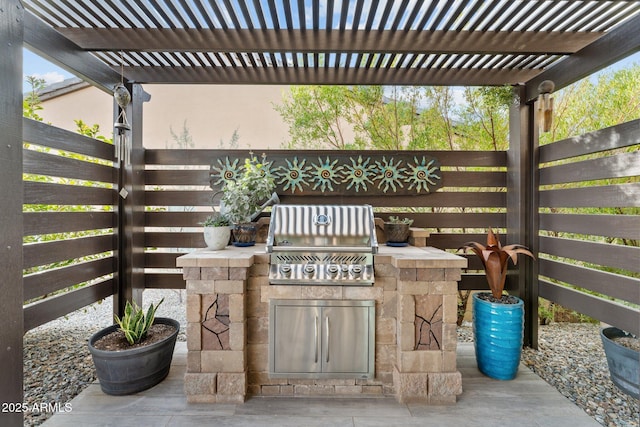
[{"x": 415, "y": 294}]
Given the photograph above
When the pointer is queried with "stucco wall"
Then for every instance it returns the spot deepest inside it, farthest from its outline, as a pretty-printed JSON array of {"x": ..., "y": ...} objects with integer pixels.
[
  {"x": 211, "y": 113},
  {"x": 89, "y": 105}
]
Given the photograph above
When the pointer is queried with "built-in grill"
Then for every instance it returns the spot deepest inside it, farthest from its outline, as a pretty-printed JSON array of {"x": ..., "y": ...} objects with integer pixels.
[{"x": 322, "y": 245}]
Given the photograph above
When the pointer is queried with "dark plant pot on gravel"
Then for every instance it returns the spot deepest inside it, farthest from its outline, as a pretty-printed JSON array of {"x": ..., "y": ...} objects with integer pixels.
[
  {"x": 624, "y": 362},
  {"x": 133, "y": 370},
  {"x": 498, "y": 336}
]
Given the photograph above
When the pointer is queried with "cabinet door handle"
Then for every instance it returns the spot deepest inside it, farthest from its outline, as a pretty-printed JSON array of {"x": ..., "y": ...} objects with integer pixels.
[
  {"x": 316, "y": 338},
  {"x": 328, "y": 338}
]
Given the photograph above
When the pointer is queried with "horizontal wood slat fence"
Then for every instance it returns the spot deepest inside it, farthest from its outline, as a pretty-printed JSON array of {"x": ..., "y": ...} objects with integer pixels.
[
  {"x": 589, "y": 224},
  {"x": 589, "y": 193},
  {"x": 472, "y": 197},
  {"x": 69, "y": 221}
]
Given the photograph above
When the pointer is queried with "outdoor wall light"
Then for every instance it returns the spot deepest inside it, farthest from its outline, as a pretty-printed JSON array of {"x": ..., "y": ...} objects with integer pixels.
[{"x": 545, "y": 105}]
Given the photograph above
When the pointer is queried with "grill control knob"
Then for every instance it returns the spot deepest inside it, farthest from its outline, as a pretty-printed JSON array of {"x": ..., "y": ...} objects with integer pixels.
[
  {"x": 285, "y": 269},
  {"x": 344, "y": 268},
  {"x": 356, "y": 270},
  {"x": 309, "y": 269},
  {"x": 332, "y": 269}
]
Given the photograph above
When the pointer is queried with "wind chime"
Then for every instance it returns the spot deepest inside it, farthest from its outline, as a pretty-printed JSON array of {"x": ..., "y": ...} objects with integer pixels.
[
  {"x": 545, "y": 105},
  {"x": 123, "y": 98}
]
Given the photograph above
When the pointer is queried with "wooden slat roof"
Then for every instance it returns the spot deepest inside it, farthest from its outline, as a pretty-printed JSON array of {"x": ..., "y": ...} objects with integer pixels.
[{"x": 442, "y": 42}]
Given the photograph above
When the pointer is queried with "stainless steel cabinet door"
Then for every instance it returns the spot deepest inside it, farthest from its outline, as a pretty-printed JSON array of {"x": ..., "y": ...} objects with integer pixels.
[
  {"x": 296, "y": 339},
  {"x": 345, "y": 339}
]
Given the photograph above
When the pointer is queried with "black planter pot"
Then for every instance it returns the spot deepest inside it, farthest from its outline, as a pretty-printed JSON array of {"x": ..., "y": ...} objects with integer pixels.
[
  {"x": 624, "y": 368},
  {"x": 134, "y": 370}
]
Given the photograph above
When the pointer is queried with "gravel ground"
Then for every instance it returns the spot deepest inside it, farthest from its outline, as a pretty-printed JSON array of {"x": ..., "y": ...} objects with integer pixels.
[
  {"x": 570, "y": 357},
  {"x": 57, "y": 363},
  {"x": 58, "y": 366}
]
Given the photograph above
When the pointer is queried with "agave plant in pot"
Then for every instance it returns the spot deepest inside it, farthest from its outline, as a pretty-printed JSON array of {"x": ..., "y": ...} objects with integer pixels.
[
  {"x": 242, "y": 200},
  {"x": 498, "y": 320},
  {"x": 135, "y": 353}
]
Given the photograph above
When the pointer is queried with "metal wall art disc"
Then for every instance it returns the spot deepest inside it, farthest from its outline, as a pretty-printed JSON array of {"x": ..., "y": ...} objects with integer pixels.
[{"x": 391, "y": 174}]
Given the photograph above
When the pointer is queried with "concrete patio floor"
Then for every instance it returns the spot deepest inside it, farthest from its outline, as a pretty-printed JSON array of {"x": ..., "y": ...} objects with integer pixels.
[{"x": 526, "y": 401}]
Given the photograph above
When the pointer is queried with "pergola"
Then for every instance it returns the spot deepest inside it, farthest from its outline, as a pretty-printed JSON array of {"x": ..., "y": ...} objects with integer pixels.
[
  {"x": 465, "y": 42},
  {"x": 377, "y": 42}
]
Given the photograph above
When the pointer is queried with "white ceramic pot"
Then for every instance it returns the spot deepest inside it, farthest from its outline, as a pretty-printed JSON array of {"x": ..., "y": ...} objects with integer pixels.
[{"x": 217, "y": 238}]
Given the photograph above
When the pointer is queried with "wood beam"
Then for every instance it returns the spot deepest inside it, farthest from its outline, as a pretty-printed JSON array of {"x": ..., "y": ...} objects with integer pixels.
[
  {"x": 11, "y": 226},
  {"x": 617, "y": 44},
  {"x": 49, "y": 44},
  {"x": 329, "y": 76},
  {"x": 252, "y": 40}
]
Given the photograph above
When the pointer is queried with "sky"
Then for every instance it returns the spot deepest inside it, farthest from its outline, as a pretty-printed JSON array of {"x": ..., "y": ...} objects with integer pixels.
[{"x": 33, "y": 65}]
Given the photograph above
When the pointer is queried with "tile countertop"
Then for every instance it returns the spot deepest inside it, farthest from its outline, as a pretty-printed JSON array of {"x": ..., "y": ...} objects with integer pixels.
[{"x": 401, "y": 257}]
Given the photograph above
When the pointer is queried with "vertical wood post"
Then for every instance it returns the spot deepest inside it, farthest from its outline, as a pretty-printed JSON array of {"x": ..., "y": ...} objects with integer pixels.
[
  {"x": 11, "y": 198},
  {"x": 532, "y": 238},
  {"x": 522, "y": 206},
  {"x": 130, "y": 215}
]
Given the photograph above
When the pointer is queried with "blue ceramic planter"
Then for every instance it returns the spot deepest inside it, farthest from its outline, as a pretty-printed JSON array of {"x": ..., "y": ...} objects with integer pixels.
[{"x": 498, "y": 331}]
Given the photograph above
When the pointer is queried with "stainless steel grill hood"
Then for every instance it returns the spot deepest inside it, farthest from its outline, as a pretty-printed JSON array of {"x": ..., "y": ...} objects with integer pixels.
[
  {"x": 339, "y": 227},
  {"x": 322, "y": 244}
]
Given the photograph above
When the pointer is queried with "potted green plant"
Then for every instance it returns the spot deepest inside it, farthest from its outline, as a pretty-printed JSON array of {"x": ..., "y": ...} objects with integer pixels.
[
  {"x": 217, "y": 231},
  {"x": 397, "y": 230},
  {"x": 498, "y": 319},
  {"x": 242, "y": 200},
  {"x": 135, "y": 353}
]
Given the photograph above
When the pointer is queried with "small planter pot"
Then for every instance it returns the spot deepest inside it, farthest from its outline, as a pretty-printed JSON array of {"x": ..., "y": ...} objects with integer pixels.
[
  {"x": 624, "y": 363},
  {"x": 217, "y": 238},
  {"x": 397, "y": 233},
  {"x": 498, "y": 336},
  {"x": 244, "y": 234},
  {"x": 134, "y": 370}
]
